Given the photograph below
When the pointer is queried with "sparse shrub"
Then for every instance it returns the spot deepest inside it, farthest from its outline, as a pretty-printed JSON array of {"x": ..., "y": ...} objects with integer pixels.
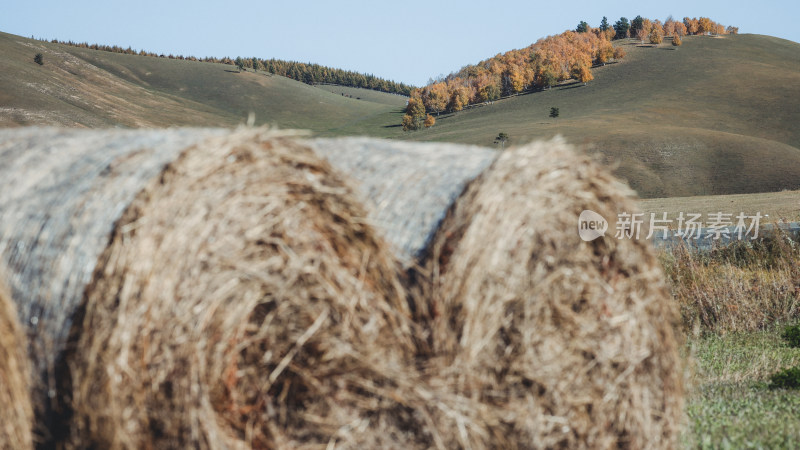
[
  {"x": 786, "y": 379},
  {"x": 39, "y": 59},
  {"x": 501, "y": 139},
  {"x": 554, "y": 112},
  {"x": 791, "y": 335}
]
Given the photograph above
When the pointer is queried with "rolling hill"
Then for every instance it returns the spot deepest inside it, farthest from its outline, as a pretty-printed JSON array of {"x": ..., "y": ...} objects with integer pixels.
[
  {"x": 89, "y": 88},
  {"x": 717, "y": 115}
]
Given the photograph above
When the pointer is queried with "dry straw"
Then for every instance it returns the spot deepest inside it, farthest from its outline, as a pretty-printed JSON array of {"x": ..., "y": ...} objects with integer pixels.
[
  {"x": 564, "y": 343},
  {"x": 242, "y": 302},
  {"x": 16, "y": 414}
]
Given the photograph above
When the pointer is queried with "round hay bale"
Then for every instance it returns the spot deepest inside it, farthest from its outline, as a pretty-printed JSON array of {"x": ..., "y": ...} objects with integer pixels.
[
  {"x": 565, "y": 343},
  {"x": 242, "y": 301},
  {"x": 16, "y": 414}
]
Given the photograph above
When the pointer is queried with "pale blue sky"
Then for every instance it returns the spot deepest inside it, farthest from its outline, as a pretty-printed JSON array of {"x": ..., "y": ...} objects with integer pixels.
[{"x": 407, "y": 41}]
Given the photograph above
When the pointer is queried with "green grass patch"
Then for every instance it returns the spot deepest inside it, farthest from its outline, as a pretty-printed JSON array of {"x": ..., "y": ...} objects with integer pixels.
[
  {"x": 791, "y": 335},
  {"x": 732, "y": 404}
]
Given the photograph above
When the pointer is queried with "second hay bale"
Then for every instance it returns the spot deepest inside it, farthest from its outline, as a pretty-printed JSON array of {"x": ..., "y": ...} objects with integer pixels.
[
  {"x": 242, "y": 302},
  {"x": 566, "y": 343},
  {"x": 16, "y": 414}
]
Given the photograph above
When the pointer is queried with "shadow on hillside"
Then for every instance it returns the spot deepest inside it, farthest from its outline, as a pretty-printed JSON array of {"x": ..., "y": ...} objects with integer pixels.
[
  {"x": 570, "y": 85},
  {"x": 392, "y": 126},
  {"x": 607, "y": 63},
  {"x": 669, "y": 48},
  {"x": 232, "y": 71}
]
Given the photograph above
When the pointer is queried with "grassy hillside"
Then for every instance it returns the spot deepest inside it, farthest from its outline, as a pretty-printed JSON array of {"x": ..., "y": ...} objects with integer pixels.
[
  {"x": 716, "y": 116},
  {"x": 81, "y": 87}
]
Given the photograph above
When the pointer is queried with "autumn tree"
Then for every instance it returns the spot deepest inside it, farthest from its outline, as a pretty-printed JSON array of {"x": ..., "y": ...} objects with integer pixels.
[
  {"x": 429, "y": 121},
  {"x": 619, "y": 53},
  {"x": 604, "y": 53},
  {"x": 459, "y": 97},
  {"x": 436, "y": 97},
  {"x": 692, "y": 25},
  {"x": 583, "y": 27},
  {"x": 641, "y": 34},
  {"x": 643, "y": 31},
  {"x": 656, "y": 35},
  {"x": 547, "y": 78},
  {"x": 415, "y": 113},
  {"x": 582, "y": 73},
  {"x": 676, "y": 40},
  {"x": 732, "y": 30},
  {"x": 680, "y": 29},
  {"x": 513, "y": 80},
  {"x": 669, "y": 27},
  {"x": 705, "y": 25},
  {"x": 622, "y": 27}
]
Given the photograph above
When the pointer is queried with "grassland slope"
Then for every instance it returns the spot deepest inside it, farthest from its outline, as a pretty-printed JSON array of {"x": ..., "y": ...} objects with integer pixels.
[{"x": 89, "y": 88}]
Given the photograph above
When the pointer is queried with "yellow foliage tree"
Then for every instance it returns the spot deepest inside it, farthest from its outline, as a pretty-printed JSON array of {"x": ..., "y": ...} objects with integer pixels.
[
  {"x": 517, "y": 79},
  {"x": 641, "y": 34},
  {"x": 692, "y": 25},
  {"x": 582, "y": 73},
  {"x": 656, "y": 35},
  {"x": 459, "y": 96},
  {"x": 676, "y": 40},
  {"x": 429, "y": 121},
  {"x": 435, "y": 97},
  {"x": 604, "y": 53},
  {"x": 705, "y": 25},
  {"x": 415, "y": 112}
]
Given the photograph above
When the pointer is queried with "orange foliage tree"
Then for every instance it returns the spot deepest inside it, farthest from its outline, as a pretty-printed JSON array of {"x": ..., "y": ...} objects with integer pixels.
[
  {"x": 656, "y": 35},
  {"x": 692, "y": 25},
  {"x": 705, "y": 25},
  {"x": 582, "y": 73},
  {"x": 429, "y": 121}
]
